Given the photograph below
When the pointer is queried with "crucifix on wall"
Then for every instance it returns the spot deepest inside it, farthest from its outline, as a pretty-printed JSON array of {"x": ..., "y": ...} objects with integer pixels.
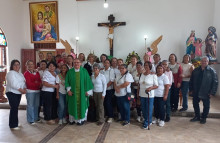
[{"x": 111, "y": 25}]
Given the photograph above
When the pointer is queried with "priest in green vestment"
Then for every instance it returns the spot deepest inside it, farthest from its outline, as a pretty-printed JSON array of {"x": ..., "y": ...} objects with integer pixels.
[{"x": 79, "y": 86}]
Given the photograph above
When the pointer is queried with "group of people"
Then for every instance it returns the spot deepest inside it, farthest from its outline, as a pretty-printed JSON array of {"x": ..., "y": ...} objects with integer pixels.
[{"x": 67, "y": 87}]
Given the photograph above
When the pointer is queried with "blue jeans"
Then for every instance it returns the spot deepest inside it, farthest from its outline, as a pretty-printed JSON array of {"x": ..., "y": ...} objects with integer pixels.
[
  {"x": 124, "y": 108},
  {"x": 167, "y": 104},
  {"x": 185, "y": 89},
  {"x": 147, "y": 109},
  {"x": 62, "y": 106},
  {"x": 14, "y": 101},
  {"x": 33, "y": 101}
]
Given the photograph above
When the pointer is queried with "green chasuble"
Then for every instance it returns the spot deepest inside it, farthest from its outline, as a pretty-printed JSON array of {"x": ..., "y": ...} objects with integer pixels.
[{"x": 80, "y": 83}]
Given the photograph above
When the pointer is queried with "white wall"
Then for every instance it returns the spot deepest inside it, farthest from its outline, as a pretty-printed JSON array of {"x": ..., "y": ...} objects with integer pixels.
[
  {"x": 217, "y": 26},
  {"x": 174, "y": 19},
  {"x": 12, "y": 24}
]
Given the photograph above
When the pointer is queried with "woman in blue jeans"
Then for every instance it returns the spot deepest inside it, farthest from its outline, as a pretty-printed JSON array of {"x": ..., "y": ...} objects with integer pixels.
[
  {"x": 33, "y": 83},
  {"x": 187, "y": 70},
  {"x": 61, "y": 94},
  {"x": 148, "y": 82},
  {"x": 122, "y": 86}
]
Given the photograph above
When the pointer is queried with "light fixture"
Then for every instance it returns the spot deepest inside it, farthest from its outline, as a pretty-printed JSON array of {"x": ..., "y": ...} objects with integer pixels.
[
  {"x": 77, "y": 39},
  {"x": 145, "y": 38},
  {"x": 105, "y": 4}
]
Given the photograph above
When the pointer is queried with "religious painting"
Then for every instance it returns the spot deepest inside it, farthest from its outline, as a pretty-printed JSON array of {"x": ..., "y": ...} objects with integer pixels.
[{"x": 44, "y": 22}]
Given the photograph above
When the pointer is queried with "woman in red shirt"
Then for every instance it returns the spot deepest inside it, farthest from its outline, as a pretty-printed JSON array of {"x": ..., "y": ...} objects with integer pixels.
[{"x": 33, "y": 83}]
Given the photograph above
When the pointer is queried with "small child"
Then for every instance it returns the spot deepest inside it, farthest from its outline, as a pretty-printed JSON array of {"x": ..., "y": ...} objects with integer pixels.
[
  {"x": 149, "y": 53},
  {"x": 47, "y": 28},
  {"x": 198, "y": 44}
]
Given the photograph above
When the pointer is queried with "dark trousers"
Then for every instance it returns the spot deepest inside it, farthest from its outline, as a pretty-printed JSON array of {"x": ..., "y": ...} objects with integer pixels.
[
  {"x": 108, "y": 103},
  {"x": 14, "y": 101},
  {"x": 124, "y": 108},
  {"x": 138, "y": 107},
  {"x": 50, "y": 105},
  {"x": 167, "y": 104},
  {"x": 159, "y": 110},
  {"x": 206, "y": 106},
  {"x": 174, "y": 98}
]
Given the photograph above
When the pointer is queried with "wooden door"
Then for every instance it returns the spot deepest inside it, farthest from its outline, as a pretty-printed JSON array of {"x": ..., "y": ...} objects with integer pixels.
[
  {"x": 27, "y": 54},
  {"x": 60, "y": 51}
]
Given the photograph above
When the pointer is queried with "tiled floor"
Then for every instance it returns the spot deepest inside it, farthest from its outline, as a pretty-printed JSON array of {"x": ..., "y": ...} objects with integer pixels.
[
  {"x": 214, "y": 106},
  {"x": 179, "y": 130}
]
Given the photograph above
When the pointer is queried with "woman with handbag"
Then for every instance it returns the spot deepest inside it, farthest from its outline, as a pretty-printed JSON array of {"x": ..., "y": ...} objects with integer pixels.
[
  {"x": 148, "y": 82},
  {"x": 136, "y": 75},
  {"x": 122, "y": 87}
]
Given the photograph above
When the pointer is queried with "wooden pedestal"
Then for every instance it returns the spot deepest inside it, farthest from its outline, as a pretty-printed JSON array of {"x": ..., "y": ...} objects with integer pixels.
[{"x": 2, "y": 79}]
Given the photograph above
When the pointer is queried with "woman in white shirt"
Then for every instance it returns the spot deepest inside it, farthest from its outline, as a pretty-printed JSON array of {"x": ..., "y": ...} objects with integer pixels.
[
  {"x": 160, "y": 94},
  {"x": 61, "y": 94},
  {"x": 110, "y": 77},
  {"x": 103, "y": 57},
  {"x": 169, "y": 74},
  {"x": 187, "y": 71},
  {"x": 122, "y": 86},
  {"x": 148, "y": 82},
  {"x": 99, "y": 91},
  {"x": 15, "y": 87},
  {"x": 48, "y": 93}
]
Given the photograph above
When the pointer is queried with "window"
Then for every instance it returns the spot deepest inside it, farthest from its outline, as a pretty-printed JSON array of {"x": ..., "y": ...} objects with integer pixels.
[{"x": 3, "y": 45}]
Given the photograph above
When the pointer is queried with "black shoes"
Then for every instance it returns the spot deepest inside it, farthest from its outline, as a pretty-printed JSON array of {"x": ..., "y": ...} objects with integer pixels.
[
  {"x": 167, "y": 119},
  {"x": 71, "y": 123},
  {"x": 195, "y": 119},
  {"x": 173, "y": 110},
  {"x": 182, "y": 109},
  {"x": 80, "y": 124},
  {"x": 203, "y": 121}
]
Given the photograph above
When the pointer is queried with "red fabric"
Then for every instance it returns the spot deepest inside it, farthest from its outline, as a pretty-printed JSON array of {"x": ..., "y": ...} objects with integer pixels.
[
  {"x": 176, "y": 76},
  {"x": 33, "y": 82}
]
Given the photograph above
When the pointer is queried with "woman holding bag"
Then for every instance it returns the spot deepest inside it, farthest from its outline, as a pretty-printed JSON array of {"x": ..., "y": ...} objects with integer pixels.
[{"x": 122, "y": 86}]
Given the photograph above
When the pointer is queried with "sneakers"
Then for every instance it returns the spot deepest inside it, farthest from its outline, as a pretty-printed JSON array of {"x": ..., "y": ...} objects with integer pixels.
[
  {"x": 110, "y": 120},
  {"x": 155, "y": 121},
  {"x": 145, "y": 127},
  {"x": 60, "y": 122},
  {"x": 167, "y": 119},
  {"x": 64, "y": 120},
  {"x": 203, "y": 121},
  {"x": 32, "y": 123},
  {"x": 195, "y": 119},
  {"x": 139, "y": 119},
  {"x": 39, "y": 120},
  {"x": 161, "y": 123},
  {"x": 16, "y": 128},
  {"x": 125, "y": 123}
]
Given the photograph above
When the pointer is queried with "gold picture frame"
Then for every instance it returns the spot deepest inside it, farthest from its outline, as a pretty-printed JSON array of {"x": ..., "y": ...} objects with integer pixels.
[{"x": 44, "y": 25}]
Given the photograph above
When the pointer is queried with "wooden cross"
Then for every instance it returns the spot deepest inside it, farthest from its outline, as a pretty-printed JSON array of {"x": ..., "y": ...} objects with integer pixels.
[{"x": 111, "y": 25}]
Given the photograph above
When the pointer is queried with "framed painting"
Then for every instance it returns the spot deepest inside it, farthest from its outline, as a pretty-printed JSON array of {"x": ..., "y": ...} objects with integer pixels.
[{"x": 44, "y": 22}]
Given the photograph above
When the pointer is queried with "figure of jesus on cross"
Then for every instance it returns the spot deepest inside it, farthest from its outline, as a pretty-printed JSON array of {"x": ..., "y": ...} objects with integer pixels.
[{"x": 111, "y": 25}]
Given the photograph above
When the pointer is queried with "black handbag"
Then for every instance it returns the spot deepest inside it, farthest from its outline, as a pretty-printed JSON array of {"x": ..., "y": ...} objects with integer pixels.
[{"x": 130, "y": 95}]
